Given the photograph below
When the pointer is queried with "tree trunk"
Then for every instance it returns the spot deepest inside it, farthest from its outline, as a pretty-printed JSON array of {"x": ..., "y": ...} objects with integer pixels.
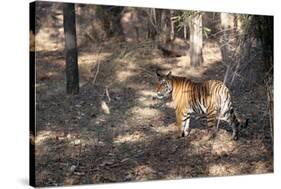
[
  {"x": 172, "y": 31},
  {"x": 152, "y": 28},
  {"x": 164, "y": 27},
  {"x": 225, "y": 27},
  {"x": 184, "y": 31},
  {"x": 196, "y": 40},
  {"x": 72, "y": 73}
]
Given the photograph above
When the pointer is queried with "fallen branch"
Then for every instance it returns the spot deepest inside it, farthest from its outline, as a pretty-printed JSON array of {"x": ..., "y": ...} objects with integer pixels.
[{"x": 170, "y": 52}]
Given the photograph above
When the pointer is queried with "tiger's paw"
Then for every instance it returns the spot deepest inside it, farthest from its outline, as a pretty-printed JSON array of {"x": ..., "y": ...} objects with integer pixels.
[
  {"x": 245, "y": 124},
  {"x": 235, "y": 137},
  {"x": 185, "y": 133}
]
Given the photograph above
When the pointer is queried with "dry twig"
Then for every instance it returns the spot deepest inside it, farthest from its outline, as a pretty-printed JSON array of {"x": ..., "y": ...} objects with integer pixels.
[
  {"x": 107, "y": 94},
  {"x": 98, "y": 67}
]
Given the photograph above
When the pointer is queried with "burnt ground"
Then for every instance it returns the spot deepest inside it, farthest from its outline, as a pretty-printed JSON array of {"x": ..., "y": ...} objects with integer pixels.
[{"x": 113, "y": 131}]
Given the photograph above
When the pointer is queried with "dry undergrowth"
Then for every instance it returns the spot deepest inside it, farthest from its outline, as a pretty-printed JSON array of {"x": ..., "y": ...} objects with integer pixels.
[{"x": 125, "y": 135}]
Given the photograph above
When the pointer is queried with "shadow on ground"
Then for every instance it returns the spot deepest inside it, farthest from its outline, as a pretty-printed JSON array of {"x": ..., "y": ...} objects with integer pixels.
[{"x": 113, "y": 131}]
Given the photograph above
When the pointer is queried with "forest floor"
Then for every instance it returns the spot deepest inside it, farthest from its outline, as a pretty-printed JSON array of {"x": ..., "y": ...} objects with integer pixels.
[{"x": 113, "y": 130}]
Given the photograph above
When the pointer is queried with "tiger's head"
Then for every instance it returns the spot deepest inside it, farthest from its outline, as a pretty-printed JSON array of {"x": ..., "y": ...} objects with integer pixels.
[{"x": 164, "y": 85}]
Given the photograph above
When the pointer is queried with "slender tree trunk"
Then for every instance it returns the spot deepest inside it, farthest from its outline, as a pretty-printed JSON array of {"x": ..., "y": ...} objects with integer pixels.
[
  {"x": 184, "y": 31},
  {"x": 72, "y": 73},
  {"x": 225, "y": 37},
  {"x": 196, "y": 40},
  {"x": 172, "y": 31},
  {"x": 153, "y": 15},
  {"x": 152, "y": 27},
  {"x": 164, "y": 27}
]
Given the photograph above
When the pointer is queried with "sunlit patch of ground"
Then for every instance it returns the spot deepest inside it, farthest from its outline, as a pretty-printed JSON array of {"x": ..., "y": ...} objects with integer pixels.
[
  {"x": 92, "y": 59},
  {"x": 223, "y": 144},
  {"x": 133, "y": 137},
  {"x": 124, "y": 75},
  {"x": 44, "y": 41},
  {"x": 261, "y": 167},
  {"x": 170, "y": 129},
  {"x": 211, "y": 52},
  {"x": 43, "y": 136},
  {"x": 143, "y": 113},
  {"x": 144, "y": 172},
  {"x": 222, "y": 169}
]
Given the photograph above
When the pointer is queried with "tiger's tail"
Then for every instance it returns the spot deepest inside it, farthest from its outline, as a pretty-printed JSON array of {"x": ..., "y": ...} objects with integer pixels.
[{"x": 236, "y": 124}]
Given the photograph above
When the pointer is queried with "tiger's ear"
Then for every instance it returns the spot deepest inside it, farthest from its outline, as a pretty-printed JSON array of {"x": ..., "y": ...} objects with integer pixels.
[{"x": 169, "y": 75}]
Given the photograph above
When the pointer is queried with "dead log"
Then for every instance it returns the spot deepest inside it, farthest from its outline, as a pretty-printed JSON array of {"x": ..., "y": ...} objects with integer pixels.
[{"x": 170, "y": 51}]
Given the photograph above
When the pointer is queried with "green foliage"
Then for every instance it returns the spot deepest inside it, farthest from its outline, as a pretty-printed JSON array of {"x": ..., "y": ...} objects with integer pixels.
[
  {"x": 184, "y": 18},
  {"x": 206, "y": 31}
]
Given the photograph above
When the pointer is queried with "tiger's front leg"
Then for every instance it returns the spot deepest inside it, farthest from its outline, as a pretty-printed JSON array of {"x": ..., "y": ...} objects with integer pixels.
[
  {"x": 179, "y": 124},
  {"x": 183, "y": 122},
  {"x": 186, "y": 124}
]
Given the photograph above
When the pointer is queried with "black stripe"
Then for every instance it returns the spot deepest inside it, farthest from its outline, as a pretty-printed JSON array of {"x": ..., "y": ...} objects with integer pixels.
[
  {"x": 188, "y": 117},
  {"x": 200, "y": 108},
  {"x": 211, "y": 119},
  {"x": 210, "y": 112},
  {"x": 204, "y": 101},
  {"x": 227, "y": 98}
]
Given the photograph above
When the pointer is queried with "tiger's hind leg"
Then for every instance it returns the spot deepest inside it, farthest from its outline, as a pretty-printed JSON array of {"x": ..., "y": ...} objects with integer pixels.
[
  {"x": 240, "y": 121},
  {"x": 234, "y": 123},
  {"x": 212, "y": 121}
]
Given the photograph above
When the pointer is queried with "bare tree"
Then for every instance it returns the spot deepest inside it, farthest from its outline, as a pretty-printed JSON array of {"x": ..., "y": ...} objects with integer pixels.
[
  {"x": 172, "y": 30},
  {"x": 196, "y": 39},
  {"x": 72, "y": 73},
  {"x": 225, "y": 28},
  {"x": 152, "y": 24}
]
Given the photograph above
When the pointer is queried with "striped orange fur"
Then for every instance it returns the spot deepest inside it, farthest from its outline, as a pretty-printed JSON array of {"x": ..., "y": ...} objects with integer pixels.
[{"x": 210, "y": 97}]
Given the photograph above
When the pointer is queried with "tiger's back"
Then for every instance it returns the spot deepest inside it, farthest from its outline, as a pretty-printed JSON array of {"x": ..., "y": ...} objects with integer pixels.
[{"x": 199, "y": 96}]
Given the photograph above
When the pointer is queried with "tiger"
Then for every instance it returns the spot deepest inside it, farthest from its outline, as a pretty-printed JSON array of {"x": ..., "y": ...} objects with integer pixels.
[{"x": 211, "y": 98}]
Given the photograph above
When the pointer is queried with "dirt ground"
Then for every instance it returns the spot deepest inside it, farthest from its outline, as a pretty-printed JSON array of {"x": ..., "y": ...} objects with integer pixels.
[{"x": 113, "y": 130}]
